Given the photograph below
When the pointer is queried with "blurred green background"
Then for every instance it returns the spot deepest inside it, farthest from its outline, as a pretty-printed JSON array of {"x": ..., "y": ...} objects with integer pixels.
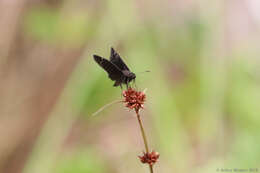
[{"x": 203, "y": 91}]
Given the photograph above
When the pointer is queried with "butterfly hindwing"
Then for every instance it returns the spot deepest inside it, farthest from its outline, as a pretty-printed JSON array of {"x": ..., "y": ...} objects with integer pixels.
[
  {"x": 117, "y": 60},
  {"x": 113, "y": 71}
]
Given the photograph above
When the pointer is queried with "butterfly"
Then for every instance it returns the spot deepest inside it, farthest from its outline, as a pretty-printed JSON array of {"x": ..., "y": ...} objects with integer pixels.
[{"x": 116, "y": 68}]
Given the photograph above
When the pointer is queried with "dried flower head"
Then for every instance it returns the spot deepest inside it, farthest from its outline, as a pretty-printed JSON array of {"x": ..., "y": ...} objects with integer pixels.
[
  {"x": 134, "y": 99},
  {"x": 149, "y": 158}
]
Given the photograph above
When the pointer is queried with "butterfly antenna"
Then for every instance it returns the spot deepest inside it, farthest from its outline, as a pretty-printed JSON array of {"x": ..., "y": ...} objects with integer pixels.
[
  {"x": 105, "y": 106},
  {"x": 144, "y": 71}
]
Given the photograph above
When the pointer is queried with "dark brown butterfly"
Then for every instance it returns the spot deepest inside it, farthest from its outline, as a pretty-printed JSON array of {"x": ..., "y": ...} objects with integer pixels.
[{"x": 116, "y": 68}]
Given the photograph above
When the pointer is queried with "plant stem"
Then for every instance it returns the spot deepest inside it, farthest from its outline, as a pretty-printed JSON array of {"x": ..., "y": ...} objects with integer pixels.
[{"x": 144, "y": 137}]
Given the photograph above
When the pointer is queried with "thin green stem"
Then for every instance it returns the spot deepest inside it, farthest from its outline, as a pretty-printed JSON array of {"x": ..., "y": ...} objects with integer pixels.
[
  {"x": 144, "y": 137},
  {"x": 151, "y": 168}
]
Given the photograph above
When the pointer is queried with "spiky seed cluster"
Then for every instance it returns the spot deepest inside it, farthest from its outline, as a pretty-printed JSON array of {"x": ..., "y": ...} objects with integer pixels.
[
  {"x": 149, "y": 158},
  {"x": 134, "y": 99}
]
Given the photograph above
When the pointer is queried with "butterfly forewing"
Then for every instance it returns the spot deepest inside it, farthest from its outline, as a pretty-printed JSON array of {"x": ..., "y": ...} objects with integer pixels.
[
  {"x": 116, "y": 68},
  {"x": 117, "y": 60},
  {"x": 113, "y": 71}
]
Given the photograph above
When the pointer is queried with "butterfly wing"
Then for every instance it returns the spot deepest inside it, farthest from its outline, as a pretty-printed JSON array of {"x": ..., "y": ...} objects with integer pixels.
[
  {"x": 113, "y": 71},
  {"x": 117, "y": 60}
]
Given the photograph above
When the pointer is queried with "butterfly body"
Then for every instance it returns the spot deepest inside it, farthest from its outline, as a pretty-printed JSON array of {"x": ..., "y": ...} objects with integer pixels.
[{"x": 116, "y": 68}]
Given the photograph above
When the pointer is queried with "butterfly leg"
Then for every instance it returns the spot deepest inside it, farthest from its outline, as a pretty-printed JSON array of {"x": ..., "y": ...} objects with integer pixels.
[
  {"x": 122, "y": 90},
  {"x": 135, "y": 84}
]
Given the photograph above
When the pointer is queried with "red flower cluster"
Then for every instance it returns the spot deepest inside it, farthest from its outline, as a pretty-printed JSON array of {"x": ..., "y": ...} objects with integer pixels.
[
  {"x": 134, "y": 99},
  {"x": 149, "y": 158}
]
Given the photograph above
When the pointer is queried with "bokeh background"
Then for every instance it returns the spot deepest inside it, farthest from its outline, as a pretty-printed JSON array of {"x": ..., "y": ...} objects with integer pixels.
[{"x": 202, "y": 111}]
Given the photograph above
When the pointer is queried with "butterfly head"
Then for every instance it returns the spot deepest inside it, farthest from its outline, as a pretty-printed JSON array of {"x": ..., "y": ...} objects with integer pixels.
[
  {"x": 129, "y": 76},
  {"x": 132, "y": 75}
]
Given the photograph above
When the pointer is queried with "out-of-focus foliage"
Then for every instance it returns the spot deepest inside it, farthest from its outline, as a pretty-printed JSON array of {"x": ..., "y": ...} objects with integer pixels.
[
  {"x": 202, "y": 109},
  {"x": 50, "y": 25},
  {"x": 81, "y": 162}
]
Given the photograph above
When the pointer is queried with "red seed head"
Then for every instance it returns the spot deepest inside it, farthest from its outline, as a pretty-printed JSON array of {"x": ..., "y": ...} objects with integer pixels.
[
  {"x": 134, "y": 99},
  {"x": 149, "y": 158}
]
